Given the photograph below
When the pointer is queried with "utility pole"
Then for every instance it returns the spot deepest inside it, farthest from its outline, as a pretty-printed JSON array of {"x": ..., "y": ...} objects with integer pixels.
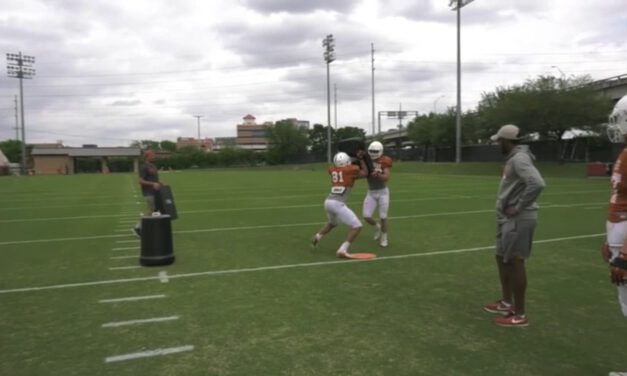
[
  {"x": 17, "y": 122},
  {"x": 20, "y": 66},
  {"x": 198, "y": 118},
  {"x": 372, "y": 56},
  {"x": 329, "y": 56},
  {"x": 335, "y": 104},
  {"x": 457, "y": 5}
]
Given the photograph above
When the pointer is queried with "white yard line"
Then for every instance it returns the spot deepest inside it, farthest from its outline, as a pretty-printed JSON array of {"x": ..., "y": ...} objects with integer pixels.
[
  {"x": 242, "y": 228},
  {"x": 132, "y": 298},
  {"x": 125, "y": 267},
  {"x": 128, "y": 241},
  {"x": 136, "y": 216},
  {"x": 148, "y": 354},
  {"x": 138, "y": 322},
  {"x": 276, "y": 267},
  {"x": 124, "y": 248},
  {"x": 124, "y": 257}
]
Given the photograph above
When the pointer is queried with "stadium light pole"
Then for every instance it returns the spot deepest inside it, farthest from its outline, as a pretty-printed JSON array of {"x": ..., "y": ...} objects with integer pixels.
[
  {"x": 198, "y": 118},
  {"x": 372, "y": 83},
  {"x": 329, "y": 56},
  {"x": 20, "y": 66},
  {"x": 457, "y": 5}
]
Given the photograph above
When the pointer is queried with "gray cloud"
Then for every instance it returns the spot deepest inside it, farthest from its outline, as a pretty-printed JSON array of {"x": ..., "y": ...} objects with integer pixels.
[
  {"x": 131, "y": 102},
  {"x": 298, "y": 39},
  {"x": 291, "y": 6}
]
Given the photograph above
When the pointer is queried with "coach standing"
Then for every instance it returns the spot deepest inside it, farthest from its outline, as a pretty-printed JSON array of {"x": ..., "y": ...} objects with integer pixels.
[
  {"x": 516, "y": 217},
  {"x": 149, "y": 182}
]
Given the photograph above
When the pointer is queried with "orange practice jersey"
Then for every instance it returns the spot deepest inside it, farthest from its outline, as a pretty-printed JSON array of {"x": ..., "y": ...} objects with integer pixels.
[
  {"x": 379, "y": 165},
  {"x": 618, "y": 202},
  {"x": 344, "y": 176}
]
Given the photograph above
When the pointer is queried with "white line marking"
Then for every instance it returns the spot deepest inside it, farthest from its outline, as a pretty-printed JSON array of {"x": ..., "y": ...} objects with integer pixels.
[
  {"x": 163, "y": 276},
  {"x": 136, "y": 216},
  {"x": 132, "y": 298},
  {"x": 127, "y": 241},
  {"x": 262, "y": 268},
  {"x": 139, "y": 322},
  {"x": 241, "y": 228},
  {"x": 124, "y": 257},
  {"x": 125, "y": 267},
  {"x": 148, "y": 354},
  {"x": 124, "y": 248}
]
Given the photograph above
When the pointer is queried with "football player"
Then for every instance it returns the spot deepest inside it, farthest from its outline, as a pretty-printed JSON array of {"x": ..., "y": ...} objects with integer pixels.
[
  {"x": 378, "y": 193},
  {"x": 614, "y": 250},
  {"x": 343, "y": 175}
]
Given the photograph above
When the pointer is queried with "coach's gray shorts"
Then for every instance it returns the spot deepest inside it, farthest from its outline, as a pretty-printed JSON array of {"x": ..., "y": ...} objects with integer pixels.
[{"x": 514, "y": 238}]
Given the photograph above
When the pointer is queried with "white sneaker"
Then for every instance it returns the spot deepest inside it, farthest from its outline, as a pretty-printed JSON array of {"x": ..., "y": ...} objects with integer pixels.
[
  {"x": 384, "y": 240},
  {"x": 315, "y": 241},
  {"x": 377, "y": 233},
  {"x": 342, "y": 254}
]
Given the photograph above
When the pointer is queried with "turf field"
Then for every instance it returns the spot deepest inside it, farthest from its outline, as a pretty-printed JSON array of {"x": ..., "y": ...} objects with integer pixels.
[{"x": 248, "y": 296}]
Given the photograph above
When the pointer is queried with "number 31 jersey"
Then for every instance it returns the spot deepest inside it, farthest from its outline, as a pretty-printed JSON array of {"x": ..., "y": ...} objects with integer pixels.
[{"x": 342, "y": 180}]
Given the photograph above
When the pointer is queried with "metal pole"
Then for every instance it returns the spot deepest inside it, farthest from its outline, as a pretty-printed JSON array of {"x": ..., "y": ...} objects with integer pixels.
[
  {"x": 17, "y": 122},
  {"x": 328, "y": 114},
  {"x": 198, "y": 118},
  {"x": 372, "y": 54},
  {"x": 458, "y": 127},
  {"x": 379, "y": 120},
  {"x": 335, "y": 104},
  {"x": 23, "y": 125}
]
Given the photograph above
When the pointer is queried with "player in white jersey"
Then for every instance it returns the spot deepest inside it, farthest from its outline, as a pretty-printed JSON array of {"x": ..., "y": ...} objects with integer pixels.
[{"x": 378, "y": 193}]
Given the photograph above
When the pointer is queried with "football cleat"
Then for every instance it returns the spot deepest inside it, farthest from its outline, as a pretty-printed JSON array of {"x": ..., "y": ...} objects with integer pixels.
[
  {"x": 315, "y": 241},
  {"x": 343, "y": 254},
  {"x": 512, "y": 320},
  {"x": 377, "y": 233},
  {"x": 384, "y": 240},
  {"x": 498, "y": 307}
]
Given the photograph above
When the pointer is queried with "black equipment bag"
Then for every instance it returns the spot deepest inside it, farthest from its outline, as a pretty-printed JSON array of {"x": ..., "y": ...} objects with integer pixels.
[
  {"x": 350, "y": 146},
  {"x": 165, "y": 202}
]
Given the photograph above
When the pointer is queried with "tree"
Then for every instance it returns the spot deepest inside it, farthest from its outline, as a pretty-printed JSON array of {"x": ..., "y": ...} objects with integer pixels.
[
  {"x": 347, "y": 132},
  {"x": 285, "y": 142},
  {"x": 167, "y": 146},
  {"x": 547, "y": 105},
  {"x": 318, "y": 139},
  {"x": 420, "y": 130},
  {"x": 146, "y": 144},
  {"x": 12, "y": 149}
]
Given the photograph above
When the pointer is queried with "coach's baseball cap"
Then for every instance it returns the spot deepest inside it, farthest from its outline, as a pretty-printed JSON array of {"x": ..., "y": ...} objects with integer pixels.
[{"x": 507, "y": 132}]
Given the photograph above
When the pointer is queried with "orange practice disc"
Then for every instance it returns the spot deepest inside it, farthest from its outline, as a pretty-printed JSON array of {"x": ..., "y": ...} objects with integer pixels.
[{"x": 362, "y": 256}]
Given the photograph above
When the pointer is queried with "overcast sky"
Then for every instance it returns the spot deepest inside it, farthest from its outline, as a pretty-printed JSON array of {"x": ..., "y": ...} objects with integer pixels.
[{"x": 109, "y": 72}]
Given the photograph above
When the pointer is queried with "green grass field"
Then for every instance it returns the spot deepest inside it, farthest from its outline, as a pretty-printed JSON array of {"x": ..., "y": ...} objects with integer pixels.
[{"x": 252, "y": 298}]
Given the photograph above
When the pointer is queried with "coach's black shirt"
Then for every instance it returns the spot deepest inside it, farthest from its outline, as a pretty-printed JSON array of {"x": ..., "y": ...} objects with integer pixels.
[{"x": 148, "y": 172}]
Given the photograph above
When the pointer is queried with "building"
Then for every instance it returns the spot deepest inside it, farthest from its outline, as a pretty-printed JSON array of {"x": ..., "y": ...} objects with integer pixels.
[
  {"x": 205, "y": 144},
  {"x": 64, "y": 160},
  {"x": 252, "y": 136},
  {"x": 224, "y": 142},
  {"x": 302, "y": 124}
]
